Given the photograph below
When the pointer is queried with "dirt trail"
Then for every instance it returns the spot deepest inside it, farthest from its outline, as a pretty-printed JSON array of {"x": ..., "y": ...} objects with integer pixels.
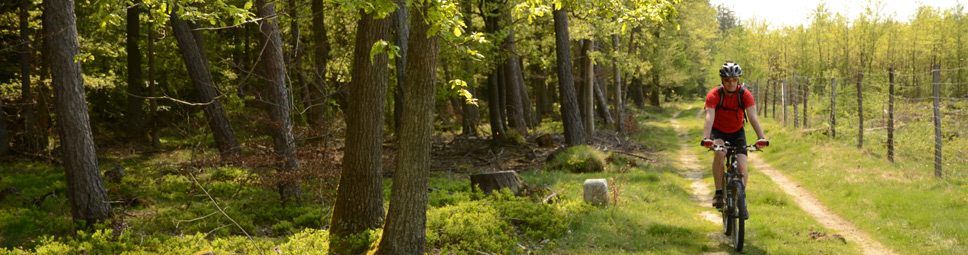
[
  {"x": 700, "y": 191},
  {"x": 804, "y": 199},
  {"x": 815, "y": 208}
]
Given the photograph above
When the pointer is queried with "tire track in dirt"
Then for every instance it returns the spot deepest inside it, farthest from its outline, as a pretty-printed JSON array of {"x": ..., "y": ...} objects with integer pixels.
[
  {"x": 700, "y": 191},
  {"x": 809, "y": 203}
]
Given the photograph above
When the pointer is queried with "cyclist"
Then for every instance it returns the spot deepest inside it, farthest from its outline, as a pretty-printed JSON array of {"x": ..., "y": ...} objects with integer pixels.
[{"x": 724, "y": 122}]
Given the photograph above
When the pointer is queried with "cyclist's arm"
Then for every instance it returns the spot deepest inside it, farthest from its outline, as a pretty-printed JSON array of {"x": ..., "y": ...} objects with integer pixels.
[
  {"x": 707, "y": 128},
  {"x": 755, "y": 122}
]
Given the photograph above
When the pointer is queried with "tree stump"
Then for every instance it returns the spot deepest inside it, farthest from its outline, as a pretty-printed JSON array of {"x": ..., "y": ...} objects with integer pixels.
[
  {"x": 489, "y": 182},
  {"x": 115, "y": 174},
  {"x": 596, "y": 191},
  {"x": 545, "y": 141}
]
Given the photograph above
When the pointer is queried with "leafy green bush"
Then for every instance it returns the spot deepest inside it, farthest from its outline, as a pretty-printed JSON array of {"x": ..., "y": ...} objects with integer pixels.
[
  {"x": 536, "y": 220},
  {"x": 309, "y": 241},
  {"x": 468, "y": 226},
  {"x": 579, "y": 159}
]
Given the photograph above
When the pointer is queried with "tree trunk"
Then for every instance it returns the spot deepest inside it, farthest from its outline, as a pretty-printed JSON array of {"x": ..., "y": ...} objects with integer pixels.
[
  {"x": 405, "y": 229},
  {"x": 529, "y": 115},
  {"x": 495, "y": 103},
  {"x": 637, "y": 96},
  {"x": 4, "y": 139},
  {"x": 619, "y": 121},
  {"x": 296, "y": 67},
  {"x": 471, "y": 114},
  {"x": 588, "y": 90},
  {"x": 570, "y": 118},
  {"x": 401, "y": 33},
  {"x": 541, "y": 94},
  {"x": 498, "y": 136},
  {"x": 274, "y": 71},
  {"x": 32, "y": 132},
  {"x": 202, "y": 79},
  {"x": 135, "y": 114},
  {"x": 43, "y": 93},
  {"x": 319, "y": 92},
  {"x": 513, "y": 84},
  {"x": 600, "y": 102},
  {"x": 359, "y": 198},
  {"x": 502, "y": 96},
  {"x": 152, "y": 88},
  {"x": 85, "y": 186}
]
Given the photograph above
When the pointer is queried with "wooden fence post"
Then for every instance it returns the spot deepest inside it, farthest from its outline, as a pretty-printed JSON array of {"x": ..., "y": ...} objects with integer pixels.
[
  {"x": 794, "y": 99},
  {"x": 775, "y": 84},
  {"x": 756, "y": 98},
  {"x": 937, "y": 121},
  {"x": 890, "y": 118},
  {"x": 833, "y": 108},
  {"x": 806, "y": 97},
  {"x": 860, "y": 110},
  {"x": 783, "y": 100}
]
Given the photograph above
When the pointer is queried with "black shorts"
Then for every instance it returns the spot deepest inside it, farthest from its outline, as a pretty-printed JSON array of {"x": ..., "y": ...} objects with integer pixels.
[{"x": 737, "y": 138}]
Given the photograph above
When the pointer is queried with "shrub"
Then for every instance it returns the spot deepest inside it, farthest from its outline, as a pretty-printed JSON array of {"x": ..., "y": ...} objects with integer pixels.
[
  {"x": 579, "y": 159},
  {"x": 467, "y": 227}
]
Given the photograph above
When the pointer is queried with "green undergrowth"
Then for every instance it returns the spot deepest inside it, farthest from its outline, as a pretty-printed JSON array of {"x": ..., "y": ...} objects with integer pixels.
[
  {"x": 901, "y": 204},
  {"x": 579, "y": 159}
]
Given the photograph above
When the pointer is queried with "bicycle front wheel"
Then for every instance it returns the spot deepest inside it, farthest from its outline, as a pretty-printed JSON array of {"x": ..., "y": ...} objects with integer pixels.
[{"x": 739, "y": 219}]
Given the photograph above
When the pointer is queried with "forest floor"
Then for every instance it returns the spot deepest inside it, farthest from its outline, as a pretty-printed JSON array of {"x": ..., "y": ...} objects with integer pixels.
[{"x": 183, "y": 199}]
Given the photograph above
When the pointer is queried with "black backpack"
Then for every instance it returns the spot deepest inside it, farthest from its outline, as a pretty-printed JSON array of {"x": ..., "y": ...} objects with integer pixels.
[{"x": 740, "y": 92}]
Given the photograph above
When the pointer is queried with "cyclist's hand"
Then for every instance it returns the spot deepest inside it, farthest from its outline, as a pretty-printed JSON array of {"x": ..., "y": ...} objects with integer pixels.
[
  {"x": 762, "y": 143},
  {"x": 707, "y": 143}
]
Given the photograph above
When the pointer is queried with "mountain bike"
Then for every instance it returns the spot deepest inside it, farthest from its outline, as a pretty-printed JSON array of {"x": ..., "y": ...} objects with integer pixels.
[{"x": 734, "y": 209}]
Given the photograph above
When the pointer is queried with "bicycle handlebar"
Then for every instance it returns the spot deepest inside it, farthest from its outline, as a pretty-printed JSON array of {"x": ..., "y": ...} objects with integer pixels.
[{"x": 751, "y": 147}]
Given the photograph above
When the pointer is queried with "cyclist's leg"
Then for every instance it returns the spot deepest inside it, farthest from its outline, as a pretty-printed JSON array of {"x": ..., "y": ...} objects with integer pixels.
[
  {"x": 741, "y": 163},
  {"x": 718, "y": 162}
]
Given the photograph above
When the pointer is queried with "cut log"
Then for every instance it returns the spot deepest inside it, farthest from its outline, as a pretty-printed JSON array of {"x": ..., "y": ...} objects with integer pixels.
[{"x": 489, "y": 182}]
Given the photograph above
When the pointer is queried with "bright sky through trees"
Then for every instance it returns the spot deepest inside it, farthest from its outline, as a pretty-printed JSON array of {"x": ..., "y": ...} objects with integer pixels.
[{"x": 797, "y": 12}]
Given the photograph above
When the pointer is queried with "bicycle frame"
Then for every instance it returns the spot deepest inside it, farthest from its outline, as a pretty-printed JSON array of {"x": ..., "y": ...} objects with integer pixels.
[{"x": 734, "y": 193}]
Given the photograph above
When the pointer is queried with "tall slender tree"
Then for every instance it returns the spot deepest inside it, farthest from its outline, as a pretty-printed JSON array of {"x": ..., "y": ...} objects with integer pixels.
[
  {"x": 359, "y": 197},
  {"x": 193, "y": 51},
  {"x": 514, "y": 83},
  {"x": 401, "y": 33},
  {"x": 404, "y": 232},
  {"x": 495, "y": 107},
  {"x": 588, "y": 88},
  {"x": 570, "y": 118},
  {"x": 471, "y": 114},
  {"x": 135, "y": 114},
  {"x": 88, "y": 197},
  {"x": 33, "y": 137},
  {"x": 274, "y": 71},
  {"x": 319, "y": 90}
]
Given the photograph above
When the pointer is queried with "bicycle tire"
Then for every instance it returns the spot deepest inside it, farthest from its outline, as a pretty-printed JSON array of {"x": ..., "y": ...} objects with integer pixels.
[
  {"x": 728, "y": 212},
  {"x": 739, "y": 231}
]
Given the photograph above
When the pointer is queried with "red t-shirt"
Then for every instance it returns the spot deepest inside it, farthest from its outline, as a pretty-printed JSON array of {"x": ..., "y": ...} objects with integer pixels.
[{"x": 729, "y": 121}]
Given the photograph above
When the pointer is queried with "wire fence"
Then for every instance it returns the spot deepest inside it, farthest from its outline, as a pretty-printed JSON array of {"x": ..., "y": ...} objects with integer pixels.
[{"x": 917, "y": 117}]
